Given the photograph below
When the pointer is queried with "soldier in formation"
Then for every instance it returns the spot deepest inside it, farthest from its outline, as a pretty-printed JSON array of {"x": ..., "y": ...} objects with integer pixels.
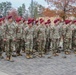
[
  {"x": 29, "y": 35},
  {"x": 36, "y": 36},
  {"x": 74, "y": 36},
  {"x": 9, "y": 38}
]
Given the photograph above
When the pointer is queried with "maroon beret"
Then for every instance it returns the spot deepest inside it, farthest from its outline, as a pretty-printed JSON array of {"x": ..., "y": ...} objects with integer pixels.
[
  {"x": 9, "y": 17},
  {"x": 36, "y": 21},
  {"x": 55, "y": 21},
  {"x": 24, "y": 20},
  {"x": 29, "y": 22},
  {"x": 41, "y": 21},
  {"x": 46, "y": 23},
  {"x": 18, "y": 19},
  {"x": 67, "y": 21},
  {"x": 74, "y": 21}
]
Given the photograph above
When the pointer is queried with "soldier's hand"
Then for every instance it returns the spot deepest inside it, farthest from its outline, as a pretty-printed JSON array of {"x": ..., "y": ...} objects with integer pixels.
[
  {"x": 14, "y": 39},
  {"x": 4, "y": 39},
  {"x": 24, "y": 29},
  {"x": 37, "y": 40},
  {"x": 24, "y": 40}
]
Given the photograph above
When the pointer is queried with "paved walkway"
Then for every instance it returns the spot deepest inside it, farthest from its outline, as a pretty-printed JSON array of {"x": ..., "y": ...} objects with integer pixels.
[
  {"x": 1, "y": 73},
  {"x": 40, "y": 66}
]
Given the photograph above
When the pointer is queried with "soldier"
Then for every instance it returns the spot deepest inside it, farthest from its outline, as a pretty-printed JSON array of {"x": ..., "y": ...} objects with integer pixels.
[
  {"x": 61, "y": 23},
  {"x": 56, "y": 37},
  {"x": 24, "y": 25},
  {"x": 47, "y": 46},
  {"x": 74, "y": 36},
  {"x": 3, "y": 24},
  {"x": 63, "y": 34},
  {"x": 19, "y": 36},
  {"x": 29, "y": 34},
  {"x": 67, "y": 41},
  {"x": 1, "y": 37},
  {"x": 10, "y": 38},
  {"x": 51, "y": 36},
  {"x": 41, "y": 37},
  {"x": 35, "y": 44}
]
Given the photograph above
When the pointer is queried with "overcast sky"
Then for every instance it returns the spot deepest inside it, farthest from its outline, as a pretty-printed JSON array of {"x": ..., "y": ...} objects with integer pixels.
[{"x": 17, "y": 3}]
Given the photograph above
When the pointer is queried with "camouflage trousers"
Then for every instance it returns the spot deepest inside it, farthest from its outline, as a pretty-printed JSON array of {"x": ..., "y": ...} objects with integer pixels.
[
  {"x": 10, "y": 47},
  {"x": 67, "y": 44},
  {"x": 47, "y": 45},
  {"x": 29, "y": 45},
  {"x": 74, "y": 45},
  {"x": 55, "y": 44},
  {"x": 35, "y": 44},
  {"x": 23, "y": 45},
  {"x": 41, "y": 46},
  {"x": 74, "y": 40},
  {"x": 18, "y": 45},
  {"x": 1, "y": 47}
]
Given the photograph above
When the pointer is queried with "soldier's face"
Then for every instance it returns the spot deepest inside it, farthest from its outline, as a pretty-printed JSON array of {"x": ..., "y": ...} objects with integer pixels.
[
  {"x": 20, "y": 22},
  {"x": 30, "y": 25},
  {"x": 37, "y": 23},
  {"x": 47, "y": 25},
  {"x": 57, "y": 23},
  {"x": 70, "y": 23},
  {"x": 1, "y": 21},
  {"x": 10, "y": 20},
  {"x": 42, "y": 23},
  {"x": 24, "y": 22}
]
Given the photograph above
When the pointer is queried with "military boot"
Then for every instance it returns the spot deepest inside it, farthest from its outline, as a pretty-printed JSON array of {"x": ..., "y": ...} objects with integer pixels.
[
  {"x": 1, "y": 56},
  {"x": 10, "y": 59},
  {"x": 31, "y": 54},
  {"x": 23, "y": 51},
  {"x": 27, "y": 55},
  {"x": 19, "y": 54},
  {"x": 67, "y": 52},
  {"x": 74, "y": 52},
  {"x": 55, "y": 53},
  {"x": 40, "y": 55},
  {"x": 7, "y": 58}
]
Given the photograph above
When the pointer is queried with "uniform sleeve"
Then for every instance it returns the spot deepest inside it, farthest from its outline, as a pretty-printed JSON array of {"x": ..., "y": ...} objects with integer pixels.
[{"x": 60, "y": 30}]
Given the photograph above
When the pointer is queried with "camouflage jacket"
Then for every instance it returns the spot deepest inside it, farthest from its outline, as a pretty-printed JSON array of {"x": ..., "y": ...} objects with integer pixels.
[{"x": 10, "y": 32}]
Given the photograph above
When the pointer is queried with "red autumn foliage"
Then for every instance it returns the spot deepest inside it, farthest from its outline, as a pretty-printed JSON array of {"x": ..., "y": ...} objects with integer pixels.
[
  {"x": 65, "y": 6},
  {"x": 14, "y": 13},
  {"x": 49, "y": 13}
]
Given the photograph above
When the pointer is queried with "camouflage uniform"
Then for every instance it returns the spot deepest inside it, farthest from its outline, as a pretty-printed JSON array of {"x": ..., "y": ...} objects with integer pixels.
[
  {"x": 74, "y": 38},
  {"x": 19, "y": 37},
  {"x": 29, "y": 34},
  {"x": 23, "y": 37},
  {"x": 56, "y": 38},
  {"x": 67, "y": 41},
  {"x": 10, "y": 36},
  {"x": 41, "y": 39},
  {"x": 51, "y": 37},
  {"x": 1, "y": 39},
  {"x": 35, "y": 44},
  {"x": 61, "y": 36},
  {"x": 47, "y": 45},
  {"x": 4, "y": 27}
]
